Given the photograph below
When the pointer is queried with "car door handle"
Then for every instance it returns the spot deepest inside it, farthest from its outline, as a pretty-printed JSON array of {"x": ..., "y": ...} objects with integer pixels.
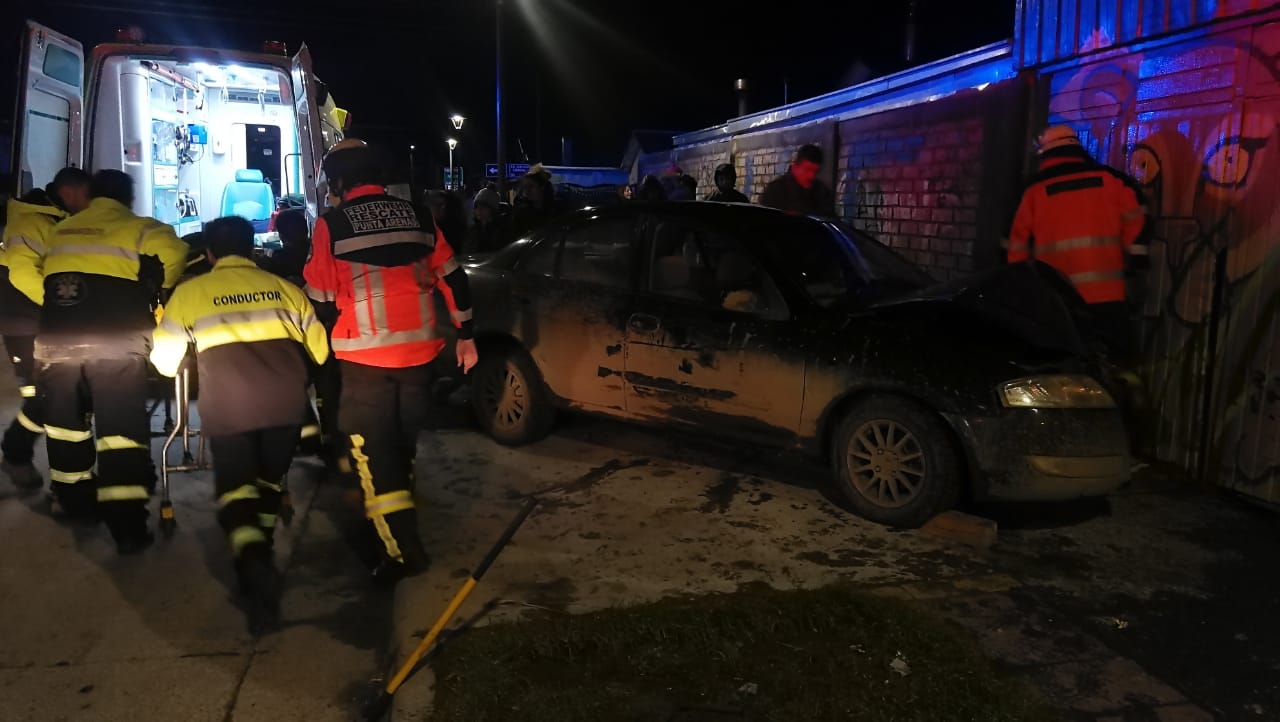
[{"x": 643, "y": 323}]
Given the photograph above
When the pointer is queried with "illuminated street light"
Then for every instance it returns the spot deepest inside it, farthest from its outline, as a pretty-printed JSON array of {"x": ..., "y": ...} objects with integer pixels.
[
  {"x": 411, "y": 149},
  {"x": 457, "y": 121},
  {"x": 453, "y": 143}
]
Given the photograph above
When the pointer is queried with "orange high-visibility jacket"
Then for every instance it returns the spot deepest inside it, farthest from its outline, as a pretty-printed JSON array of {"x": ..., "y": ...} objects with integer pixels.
[
  {"x": 1081, "y": 218},
  {"x": 379, "y": 260}
]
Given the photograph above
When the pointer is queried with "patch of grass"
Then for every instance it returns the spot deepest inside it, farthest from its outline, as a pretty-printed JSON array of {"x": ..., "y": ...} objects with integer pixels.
[{"x": 812, "y": 655}]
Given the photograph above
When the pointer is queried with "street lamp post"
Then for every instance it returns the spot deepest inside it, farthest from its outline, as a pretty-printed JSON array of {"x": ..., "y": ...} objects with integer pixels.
[
  {"x": 452, "y": 144},
  {"x": 457, "y": 121},
  {"x": 411, "y": 147},
  {"x": 497, "y": 100}
]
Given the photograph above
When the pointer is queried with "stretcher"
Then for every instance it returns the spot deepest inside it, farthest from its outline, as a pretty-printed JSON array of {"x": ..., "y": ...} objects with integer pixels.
[{"x": 178, "y": 425}]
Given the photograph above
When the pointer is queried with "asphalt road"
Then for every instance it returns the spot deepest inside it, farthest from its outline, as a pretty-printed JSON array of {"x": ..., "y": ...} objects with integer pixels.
[{"x": 87, "y": 635}]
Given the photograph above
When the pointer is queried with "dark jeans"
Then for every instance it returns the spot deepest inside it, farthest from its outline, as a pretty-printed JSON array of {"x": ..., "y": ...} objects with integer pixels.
[
  {"x": 382, "y": 413},
  {"x": 19, "y": 441}
]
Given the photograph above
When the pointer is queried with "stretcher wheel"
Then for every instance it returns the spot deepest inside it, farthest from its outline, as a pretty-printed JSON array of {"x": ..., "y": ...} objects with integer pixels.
[
  {"x": 286, "y": 509},
  {"x": 167, "y": 521}
]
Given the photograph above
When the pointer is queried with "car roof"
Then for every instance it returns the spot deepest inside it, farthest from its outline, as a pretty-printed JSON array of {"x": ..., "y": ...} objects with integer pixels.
[{"x": 709, "y": 211}]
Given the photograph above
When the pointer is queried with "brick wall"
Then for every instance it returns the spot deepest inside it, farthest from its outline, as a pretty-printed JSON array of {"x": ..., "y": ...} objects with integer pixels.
[
  {"x": 913, "y": 183},
  {"x": 700, "y": 161},
  {"x": 761, "y": 157}
]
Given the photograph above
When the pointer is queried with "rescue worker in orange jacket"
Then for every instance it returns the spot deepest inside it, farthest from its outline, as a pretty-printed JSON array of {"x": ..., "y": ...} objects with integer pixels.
[
  {"x": 31, "y": 220},
  {"x": 254, "y": 334},
  {"x": 380, "y": 260},
  {"x": 104, "y": 269},
  {"x": 1082, "y": 218}
]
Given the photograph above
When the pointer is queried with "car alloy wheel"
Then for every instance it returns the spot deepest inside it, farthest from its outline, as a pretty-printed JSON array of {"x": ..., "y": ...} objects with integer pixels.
[
  {"x": 886, "y": 463},
  {"x": 506, "y": 397}
]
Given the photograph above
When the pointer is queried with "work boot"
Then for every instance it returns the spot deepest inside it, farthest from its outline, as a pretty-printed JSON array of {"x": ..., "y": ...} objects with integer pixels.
[
  {"x": 70, "y": 513},
  {"x": 23, "y": 476},
  {"x": 260, "y": 584},
  {"x": 135, "y": 544},
  {"x": 389, "y": 572}
]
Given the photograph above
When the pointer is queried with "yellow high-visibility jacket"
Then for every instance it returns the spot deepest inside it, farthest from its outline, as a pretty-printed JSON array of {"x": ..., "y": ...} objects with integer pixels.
[
  {"x": 103, "y": 270},
  {"x": 251, "y": 330},
  {"x": 26, "y": 233}
]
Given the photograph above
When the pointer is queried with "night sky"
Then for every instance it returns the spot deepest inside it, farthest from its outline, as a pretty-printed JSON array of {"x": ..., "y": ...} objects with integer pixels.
[{"x": 591, "y": 70}]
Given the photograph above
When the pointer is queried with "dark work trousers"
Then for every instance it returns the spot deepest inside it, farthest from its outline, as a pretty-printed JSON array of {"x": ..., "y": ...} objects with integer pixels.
[
  {"x": 382, "y": 412},
  {"x": 114, "y": 392},
  {"x": 327, "y": 379},
  {"x": 1113, "y": 331},
  {"x": 19, "y": 441},
  {"x": 248, "y": 469}
]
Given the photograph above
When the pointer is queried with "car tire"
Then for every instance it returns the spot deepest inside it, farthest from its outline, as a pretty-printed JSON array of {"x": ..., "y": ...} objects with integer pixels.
[
  {"x": 509, "y": 399},
  {"x": 895, "y": 462}
]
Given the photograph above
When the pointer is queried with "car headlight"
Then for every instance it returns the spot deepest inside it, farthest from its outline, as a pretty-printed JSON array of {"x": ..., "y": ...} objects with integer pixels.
[{"x": 1058, "y": 391}]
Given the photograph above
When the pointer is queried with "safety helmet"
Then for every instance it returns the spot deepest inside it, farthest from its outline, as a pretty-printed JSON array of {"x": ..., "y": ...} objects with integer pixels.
[
  {"x": 1057, "y": 136},
  {"x": 351, "y": 162},
  {"x": 487, "y": 197}
]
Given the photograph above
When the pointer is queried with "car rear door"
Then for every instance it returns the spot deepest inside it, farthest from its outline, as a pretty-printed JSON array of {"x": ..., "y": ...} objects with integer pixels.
[
  {"x": 710, "y": 342},
  {"x": 573, "y": 292},
  {"x": 50, "y": 107}
]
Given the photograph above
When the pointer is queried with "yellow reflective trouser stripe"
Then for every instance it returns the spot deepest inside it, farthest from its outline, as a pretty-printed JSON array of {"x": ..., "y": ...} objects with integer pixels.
[
  {"x": 122, "y": 493},
  {"x": 74, "y": 436},
  {"x": 243, "y": 536},
  {"x": 118, "y": 443},
  {"x": 310, "y": 430},
  {"x": 29, "y": 425},
  {"x": 269, "y": 485},
  {"x": 390, "y": 503},
  {"x": 267, "y": 521},
  {"x": 28, "y": 392},
  {"x": 69, "y": 477},
  {"x": 237, "y": 494},
  {"x": 366, "y": 483}
]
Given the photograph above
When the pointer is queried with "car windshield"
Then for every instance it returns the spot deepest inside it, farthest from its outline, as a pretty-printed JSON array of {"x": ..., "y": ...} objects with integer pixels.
[{"x": 838, "y": 266}]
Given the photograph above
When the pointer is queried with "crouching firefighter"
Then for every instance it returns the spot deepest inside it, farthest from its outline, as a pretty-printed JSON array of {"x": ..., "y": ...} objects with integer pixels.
[
  {"x": 254, "y": 334},
  {"x": 103, "y": 271},
  {"x": 379, "y": 261}
]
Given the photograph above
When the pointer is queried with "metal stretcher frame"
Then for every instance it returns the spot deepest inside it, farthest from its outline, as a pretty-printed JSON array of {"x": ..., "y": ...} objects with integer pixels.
[{"x": 181, "y": 427}]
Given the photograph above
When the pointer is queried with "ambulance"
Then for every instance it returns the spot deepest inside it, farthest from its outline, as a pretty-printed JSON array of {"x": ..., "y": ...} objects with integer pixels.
[{"x": 203, "y": 133}]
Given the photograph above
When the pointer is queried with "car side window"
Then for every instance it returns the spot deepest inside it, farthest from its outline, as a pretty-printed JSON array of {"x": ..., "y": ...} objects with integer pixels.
[
  {"x": 711, "y": 268},
  {"x": 599, "y": 250}
]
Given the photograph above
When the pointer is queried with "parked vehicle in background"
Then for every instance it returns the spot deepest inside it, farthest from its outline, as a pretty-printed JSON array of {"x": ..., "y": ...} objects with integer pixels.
[{"x": 751, "y": 324}]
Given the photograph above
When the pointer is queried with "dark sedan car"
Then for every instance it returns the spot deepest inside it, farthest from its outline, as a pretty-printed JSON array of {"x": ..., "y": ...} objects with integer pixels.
[{"x": 772, "y": 329}]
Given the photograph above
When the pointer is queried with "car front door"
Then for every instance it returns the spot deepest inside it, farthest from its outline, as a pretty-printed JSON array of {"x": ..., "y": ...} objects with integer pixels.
[
  {"x": 574, "y": 290},
  {"x": 710, "y": 342}
]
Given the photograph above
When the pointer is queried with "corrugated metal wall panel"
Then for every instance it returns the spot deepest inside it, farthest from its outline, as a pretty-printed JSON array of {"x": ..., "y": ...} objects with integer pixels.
[
  {"x": 1050, "y": 30},
  {"x": 1197, "y": 123}
]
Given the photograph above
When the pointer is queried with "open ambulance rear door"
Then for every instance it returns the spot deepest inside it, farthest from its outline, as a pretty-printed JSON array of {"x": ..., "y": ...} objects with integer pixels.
[
  {"x": 49, "y": 112},
  {"x": 306, "y": 106}
]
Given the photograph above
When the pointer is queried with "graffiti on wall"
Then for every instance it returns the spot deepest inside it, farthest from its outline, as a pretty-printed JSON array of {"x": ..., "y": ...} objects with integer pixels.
[{"x": 1196, "y": 125}]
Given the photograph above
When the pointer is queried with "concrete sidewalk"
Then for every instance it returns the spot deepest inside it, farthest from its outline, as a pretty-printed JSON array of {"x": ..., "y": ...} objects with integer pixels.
[
  {"x": 88, "y": 635},
  {"x": 646, "y": 518}
]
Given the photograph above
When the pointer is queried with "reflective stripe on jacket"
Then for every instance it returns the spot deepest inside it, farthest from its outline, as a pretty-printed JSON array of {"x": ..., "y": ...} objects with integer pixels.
[
  {"x": 26, "y": 232},
  {"x": 250, "y": 329},
  {"x": 1081, "y": 218},
  {"x": 379, "y": 261},
  {"x": 103, "y": 268}
]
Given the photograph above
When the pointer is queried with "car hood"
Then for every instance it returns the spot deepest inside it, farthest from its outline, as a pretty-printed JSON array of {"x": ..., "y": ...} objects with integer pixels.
[{"x": 1030, "y": 300}]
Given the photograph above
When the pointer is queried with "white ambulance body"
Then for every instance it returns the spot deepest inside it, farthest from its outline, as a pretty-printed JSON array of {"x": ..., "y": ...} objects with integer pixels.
[{"x": 203, "y": 133}]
